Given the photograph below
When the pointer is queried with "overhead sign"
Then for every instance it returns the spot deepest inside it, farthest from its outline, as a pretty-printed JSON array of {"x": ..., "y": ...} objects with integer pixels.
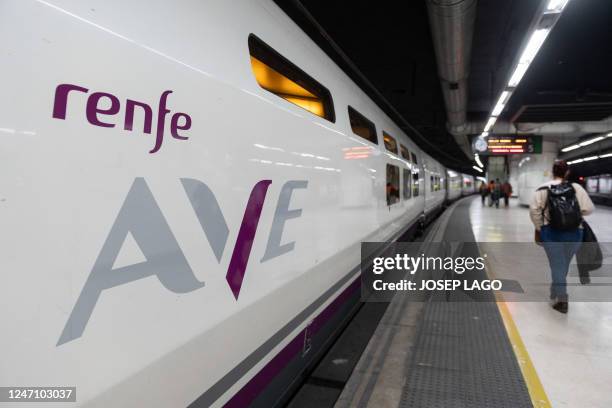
[{"x": 501, "y": 144}]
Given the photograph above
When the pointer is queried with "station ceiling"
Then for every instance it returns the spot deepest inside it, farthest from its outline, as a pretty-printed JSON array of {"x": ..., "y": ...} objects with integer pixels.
[{"x": 390, "y": 44}]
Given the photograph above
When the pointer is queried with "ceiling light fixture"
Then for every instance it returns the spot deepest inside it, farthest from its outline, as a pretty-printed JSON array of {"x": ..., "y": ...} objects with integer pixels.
[
  {"x": 556, "y": 6},
  {"x": 501, "y": 103},
  {"x": 490, "y": 124},
  {"x": 529, "y": 53},
  {"x": 591, "y": 141},
  {"x": 542, "y": 27},
  {"x": 590, "y": 158},
  {"x": 570, "y": 148}
]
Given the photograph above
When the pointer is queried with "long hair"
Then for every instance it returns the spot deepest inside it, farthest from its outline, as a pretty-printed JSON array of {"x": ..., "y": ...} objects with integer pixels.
[{"x": 560, "y": 168}]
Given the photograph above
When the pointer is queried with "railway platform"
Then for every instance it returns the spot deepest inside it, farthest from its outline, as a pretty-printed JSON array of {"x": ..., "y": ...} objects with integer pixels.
[{"x": 493, "y": 353}]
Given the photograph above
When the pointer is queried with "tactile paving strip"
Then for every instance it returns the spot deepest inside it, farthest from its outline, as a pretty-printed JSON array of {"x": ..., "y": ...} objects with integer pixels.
[{"x": 463, "y": 357}]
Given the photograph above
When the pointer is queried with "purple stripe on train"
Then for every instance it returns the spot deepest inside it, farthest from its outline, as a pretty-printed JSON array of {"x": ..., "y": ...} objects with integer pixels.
[{"x": 258, "y": 383}]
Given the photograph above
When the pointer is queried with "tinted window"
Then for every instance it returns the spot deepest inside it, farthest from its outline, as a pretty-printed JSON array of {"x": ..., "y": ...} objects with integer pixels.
[
  {"x": 392, "y": 187},
  {"x": 390, "y": 143},
  {"x": 278, "y": 75},
  {"x": 407, "y": 185},
  {"x": 404, "y": 152},
  {"x": 362, "y": 126},
  {"x": 415, "y": 176}
]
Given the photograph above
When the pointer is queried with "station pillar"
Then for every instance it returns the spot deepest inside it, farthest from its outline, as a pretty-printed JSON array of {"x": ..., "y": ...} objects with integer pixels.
[
  {"x": 513, "y": 168},
  {"x": 496, "y": 168}
]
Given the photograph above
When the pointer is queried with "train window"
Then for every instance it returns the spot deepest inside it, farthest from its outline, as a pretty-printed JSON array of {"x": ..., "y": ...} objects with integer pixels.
[
  {"x": 415, "y": 175},
  {"x": 390, "y": 143},
  {"x": 407, "y": 173},
  {"x": 278, "y": 75},
  {"x": 407, "y": 185},
  {"x": 431, "y": 183},
  {"x": 362, "y": 126},
  {"x": 392, "y": 184},
  {"x": 404, "y": 152}
]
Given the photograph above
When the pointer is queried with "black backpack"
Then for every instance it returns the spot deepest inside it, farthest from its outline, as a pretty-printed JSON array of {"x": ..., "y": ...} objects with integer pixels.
[{"x": 563, "y": 207}]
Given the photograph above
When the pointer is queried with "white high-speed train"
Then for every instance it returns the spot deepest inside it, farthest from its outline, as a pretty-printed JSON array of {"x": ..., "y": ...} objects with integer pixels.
[{"x": 184, "y": 190}]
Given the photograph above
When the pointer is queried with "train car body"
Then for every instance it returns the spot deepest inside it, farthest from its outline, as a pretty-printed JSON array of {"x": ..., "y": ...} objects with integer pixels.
[
  {"x": 454, "y": 185},
  {"x": 600, "y": 188},
  {"x": 468, "y": 185},
  {"x": 435, "y": 185},
  {"x": 174, "y": 232}
]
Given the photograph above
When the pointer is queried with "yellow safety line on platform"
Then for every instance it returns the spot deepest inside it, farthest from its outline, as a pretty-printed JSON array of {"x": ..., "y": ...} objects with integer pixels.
[
  {"x": 539, "y": 399},
  {"x": 538, "y": 396}
]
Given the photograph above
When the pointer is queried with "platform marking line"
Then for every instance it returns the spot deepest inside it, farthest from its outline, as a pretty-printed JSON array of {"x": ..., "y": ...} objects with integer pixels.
[{"x": 538, "y": 396}]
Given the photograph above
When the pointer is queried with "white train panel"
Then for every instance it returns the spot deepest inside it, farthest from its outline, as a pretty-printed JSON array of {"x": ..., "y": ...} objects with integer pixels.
[
  {"x": 170, "y": 225},
  {"x": 454, "y": 184}
]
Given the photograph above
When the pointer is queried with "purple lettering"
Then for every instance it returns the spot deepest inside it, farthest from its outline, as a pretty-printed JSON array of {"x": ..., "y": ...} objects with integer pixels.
[
  {"x": 175, "y": 127},
  {"x": 246, "y": 236},
  {"x": 161, "y": 120},
  {"x": 61, "y": 99},
  {"x": 129, "y": 115},
  {"x": 93, "y": 110}
]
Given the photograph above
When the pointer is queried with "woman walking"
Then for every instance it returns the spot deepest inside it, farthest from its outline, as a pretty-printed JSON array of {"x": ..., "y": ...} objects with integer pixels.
[{"x": 556, "y": 211}]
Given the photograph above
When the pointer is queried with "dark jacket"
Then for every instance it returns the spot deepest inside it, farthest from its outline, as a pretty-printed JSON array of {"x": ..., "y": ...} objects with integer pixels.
[{"x": 589, "y": 256}]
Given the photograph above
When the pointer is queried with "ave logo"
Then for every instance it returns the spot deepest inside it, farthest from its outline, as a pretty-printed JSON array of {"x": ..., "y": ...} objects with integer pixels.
[{"x": 141, "y": 217}]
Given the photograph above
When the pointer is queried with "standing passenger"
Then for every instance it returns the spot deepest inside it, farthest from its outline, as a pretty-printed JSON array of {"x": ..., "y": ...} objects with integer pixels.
[
  {"x": 497, "y": 192},
  {"x": 484, "y": 191},
  {"x": 507, "y": 192},
  {"x": 556, "y": 211},
  {"x": 491, "y": 192}
]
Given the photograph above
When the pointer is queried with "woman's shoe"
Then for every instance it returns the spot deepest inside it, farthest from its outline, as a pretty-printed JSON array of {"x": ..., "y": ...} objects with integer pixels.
[{"x": 560, "y": 307}]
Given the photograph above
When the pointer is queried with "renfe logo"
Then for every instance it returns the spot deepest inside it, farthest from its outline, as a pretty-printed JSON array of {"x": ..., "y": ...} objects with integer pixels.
[
  {"x": 93, "y": 112},
  {"x": 141, "y": 216}
]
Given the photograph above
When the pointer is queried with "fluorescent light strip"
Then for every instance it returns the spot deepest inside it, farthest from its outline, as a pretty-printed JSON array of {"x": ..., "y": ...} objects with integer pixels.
[
  {"x": 591, "y": 141},
  {"x": 490, "y": 123},
  {"x": 477, "y": 168},
  {"x": 585, "y": 143},
  {"x": 533, "y": 46},
  {"x": 518, "y": 75},
  {"x": 570, "y": 148},
  {"x": 556, "y": 6},
  {"x": 477, "y": 158},
  {"x": 590, "y": 158},
  {"x": 501, "y": 103}
]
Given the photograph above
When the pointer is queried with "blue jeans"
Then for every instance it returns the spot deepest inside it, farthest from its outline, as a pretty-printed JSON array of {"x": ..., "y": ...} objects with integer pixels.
[{"x": 560, "y": 247}]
